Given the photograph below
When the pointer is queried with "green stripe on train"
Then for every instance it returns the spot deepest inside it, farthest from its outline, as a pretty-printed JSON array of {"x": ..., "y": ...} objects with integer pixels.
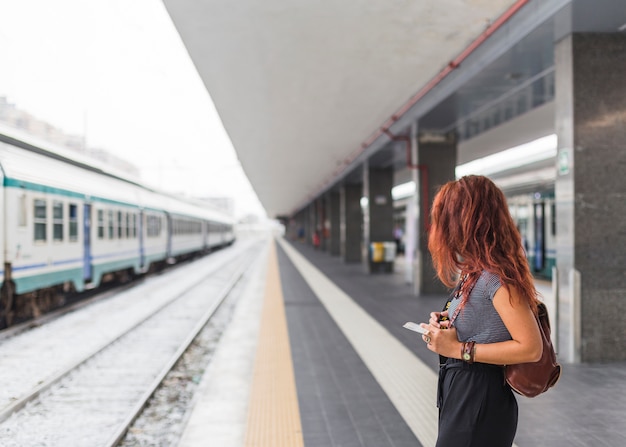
[
  {"x": 75, "y": 275},
  {"x": 29, "y": 186},
  {"x": 30, "y": 283}
]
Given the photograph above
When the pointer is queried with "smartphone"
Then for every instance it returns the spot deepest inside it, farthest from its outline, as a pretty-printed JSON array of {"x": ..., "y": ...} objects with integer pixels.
[{"x": 415, "y": 327}]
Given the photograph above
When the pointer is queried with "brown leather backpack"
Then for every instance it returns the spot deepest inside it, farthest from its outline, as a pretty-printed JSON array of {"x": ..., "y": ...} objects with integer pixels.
[{"x": 532, "y": 379}]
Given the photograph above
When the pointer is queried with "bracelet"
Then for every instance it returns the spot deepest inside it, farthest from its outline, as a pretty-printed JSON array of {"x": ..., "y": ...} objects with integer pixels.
[{"x": 468, "y": 350}]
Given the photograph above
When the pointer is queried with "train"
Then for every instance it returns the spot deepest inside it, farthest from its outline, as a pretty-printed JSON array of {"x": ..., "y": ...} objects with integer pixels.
[
  {"x": 69, "y": 225},
  {"x": 530, "y": 196},
  {"x": 535, "y": 217}
]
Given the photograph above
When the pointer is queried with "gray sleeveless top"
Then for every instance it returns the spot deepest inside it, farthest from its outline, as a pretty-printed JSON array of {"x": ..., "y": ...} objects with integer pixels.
[{"x": 478, "y": 320}]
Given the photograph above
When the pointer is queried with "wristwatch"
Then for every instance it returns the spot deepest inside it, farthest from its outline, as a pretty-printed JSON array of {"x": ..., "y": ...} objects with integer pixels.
[{"x": 467, "y": 351}]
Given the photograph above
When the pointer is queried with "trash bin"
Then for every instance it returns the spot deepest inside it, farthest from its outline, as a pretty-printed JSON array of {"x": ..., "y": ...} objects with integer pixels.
[
  {"x": 390, "y": 251},
  {"x": 377, "y": 252},
  {"x": 382, "y": 256}
]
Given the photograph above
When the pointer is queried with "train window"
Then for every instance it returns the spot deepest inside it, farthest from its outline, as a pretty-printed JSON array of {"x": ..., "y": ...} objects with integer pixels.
[
  {"x": 73, "y": 215},
  {"x": 111, "y": 223},
  {"x": 128, "y": 222},
  {"x": 553, "y": 218},
  {"x": 120, "y": 229},
  {"x": 154, "y": 226},
  {"x": 40, "y": 220},
  {"x": 134, "y": 225},
  {"x": 149, "y": 225},
  {"x": 21, "y": 215},
  {"x": 100, "y": 224},
  {"x": 57, "y": 221}
]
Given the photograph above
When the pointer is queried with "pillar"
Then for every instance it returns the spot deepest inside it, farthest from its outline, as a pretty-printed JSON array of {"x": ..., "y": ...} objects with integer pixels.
[
  {"x": 590, "y": 195},
  {"x": 350, "y": 223},
  {"x": 332, "y": 222},
  {"x": 334, "y": 219},
  {"x": 436, "y": 154},
  {"x": 378, "y": 215},
  {"x": 310, "y": 223}
]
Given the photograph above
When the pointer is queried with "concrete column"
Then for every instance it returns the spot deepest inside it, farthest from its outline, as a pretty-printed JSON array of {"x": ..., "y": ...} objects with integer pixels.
[
  {"x": 350, "y": 223},
  {"x": 378, "y": 215},
  {"x": 310, "y": 223},
  {"x": 318, "y": 216},
  {"x": 365, "y": 224},
  {"x": 412, "y": 253},
  {"x": 324, "y": 224},
  {"x": 437, "y": 155},
  {"x": 301, "y": 225},
  {"x": 590, "y": 195},
  {"x": 334, "y": 218}
]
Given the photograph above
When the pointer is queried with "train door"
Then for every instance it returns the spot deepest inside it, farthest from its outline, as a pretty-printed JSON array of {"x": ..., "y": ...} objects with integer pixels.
[
  {"x": 169, "y": 232},
  {"x": 540, "y": 246},
  {"x": 87, "y": 241},
  {"x": 3, "y": 229},
  {"x": 142, "y": 250}
]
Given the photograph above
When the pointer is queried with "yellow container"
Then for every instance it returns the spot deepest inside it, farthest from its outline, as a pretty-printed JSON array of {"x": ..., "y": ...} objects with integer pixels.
[{"x": 378, "y": 251}]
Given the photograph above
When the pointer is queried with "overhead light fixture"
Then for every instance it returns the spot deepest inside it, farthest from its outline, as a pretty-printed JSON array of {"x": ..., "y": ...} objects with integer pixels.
[
  {"x": 403, "y": 190},
  {"x": 540, "y": 149}
]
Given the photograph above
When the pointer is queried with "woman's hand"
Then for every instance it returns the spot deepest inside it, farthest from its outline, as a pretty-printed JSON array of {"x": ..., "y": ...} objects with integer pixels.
[
  {"x": 441, "y": 340},
  {"x": 436, "y": 320}
]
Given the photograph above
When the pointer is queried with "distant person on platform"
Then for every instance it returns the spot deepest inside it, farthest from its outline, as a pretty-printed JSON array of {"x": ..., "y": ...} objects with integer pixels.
[
  {"x": 397, "y": 236},
  {"x": 316, "y": 240}
]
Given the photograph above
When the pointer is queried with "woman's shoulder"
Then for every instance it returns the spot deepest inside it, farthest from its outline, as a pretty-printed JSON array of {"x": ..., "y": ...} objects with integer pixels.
[{"x": 488, "y": 283}]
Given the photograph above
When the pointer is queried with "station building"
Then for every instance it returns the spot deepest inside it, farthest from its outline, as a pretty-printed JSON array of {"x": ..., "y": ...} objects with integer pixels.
[{"x": 347, "y": 117}]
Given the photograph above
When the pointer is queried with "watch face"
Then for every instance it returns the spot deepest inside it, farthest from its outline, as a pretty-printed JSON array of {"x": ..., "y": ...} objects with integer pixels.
[{"x": 466, "y": 356}]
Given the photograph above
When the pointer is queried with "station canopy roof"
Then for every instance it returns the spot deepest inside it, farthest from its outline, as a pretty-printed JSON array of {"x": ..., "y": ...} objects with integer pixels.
[{"x": 300, "y": 86}]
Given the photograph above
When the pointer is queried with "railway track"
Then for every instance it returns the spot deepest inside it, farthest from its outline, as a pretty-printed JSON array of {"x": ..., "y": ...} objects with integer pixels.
[{"x": 93, "y": 397}]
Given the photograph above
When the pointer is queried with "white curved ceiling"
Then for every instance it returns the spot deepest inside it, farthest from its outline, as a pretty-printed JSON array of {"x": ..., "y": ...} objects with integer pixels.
[{"x": 300, "y": 85}]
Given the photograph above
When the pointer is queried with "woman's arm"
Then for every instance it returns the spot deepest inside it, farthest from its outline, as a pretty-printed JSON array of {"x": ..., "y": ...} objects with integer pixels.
[{"x": 525, "y": 346}]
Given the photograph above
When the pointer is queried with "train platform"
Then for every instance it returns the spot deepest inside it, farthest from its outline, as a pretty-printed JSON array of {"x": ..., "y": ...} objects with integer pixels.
[{"x": 316, "y": 356}]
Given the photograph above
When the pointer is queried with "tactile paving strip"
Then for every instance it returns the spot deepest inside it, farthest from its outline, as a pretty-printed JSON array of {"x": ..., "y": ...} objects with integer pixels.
[{"x": 273, "y": 414}]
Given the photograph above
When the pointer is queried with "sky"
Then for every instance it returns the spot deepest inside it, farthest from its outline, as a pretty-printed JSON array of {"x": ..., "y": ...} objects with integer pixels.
[{"x": 118, "y": 72}]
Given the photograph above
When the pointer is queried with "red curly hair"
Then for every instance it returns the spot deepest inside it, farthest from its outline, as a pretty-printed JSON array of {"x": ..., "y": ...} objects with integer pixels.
[{"x": 471, "y": 231}]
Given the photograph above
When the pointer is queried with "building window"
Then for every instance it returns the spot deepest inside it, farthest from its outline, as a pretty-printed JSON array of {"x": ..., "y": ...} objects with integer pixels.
[{"x": 40, "y": 220}]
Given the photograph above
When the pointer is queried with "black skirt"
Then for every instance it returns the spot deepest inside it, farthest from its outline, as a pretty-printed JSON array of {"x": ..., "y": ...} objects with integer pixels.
[{"x": 476, "y": 406}]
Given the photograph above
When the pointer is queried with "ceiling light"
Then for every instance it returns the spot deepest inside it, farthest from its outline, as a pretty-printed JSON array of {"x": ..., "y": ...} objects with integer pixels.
[{"x": 536, "y": 150}]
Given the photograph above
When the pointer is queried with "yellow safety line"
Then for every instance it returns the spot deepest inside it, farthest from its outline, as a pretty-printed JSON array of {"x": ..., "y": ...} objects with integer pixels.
[{"x": 273, "y": 413}]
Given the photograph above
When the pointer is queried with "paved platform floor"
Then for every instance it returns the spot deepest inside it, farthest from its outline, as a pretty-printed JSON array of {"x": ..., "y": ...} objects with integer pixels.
[{"x": 363, "y": 380}]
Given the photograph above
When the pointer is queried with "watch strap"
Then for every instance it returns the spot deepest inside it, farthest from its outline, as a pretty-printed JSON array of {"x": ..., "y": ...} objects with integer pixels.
[{"x": 468, "y": 350}]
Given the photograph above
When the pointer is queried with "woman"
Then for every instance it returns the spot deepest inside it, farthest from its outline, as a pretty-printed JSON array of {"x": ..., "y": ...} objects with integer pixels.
[{"x": 489, "y": 320}]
